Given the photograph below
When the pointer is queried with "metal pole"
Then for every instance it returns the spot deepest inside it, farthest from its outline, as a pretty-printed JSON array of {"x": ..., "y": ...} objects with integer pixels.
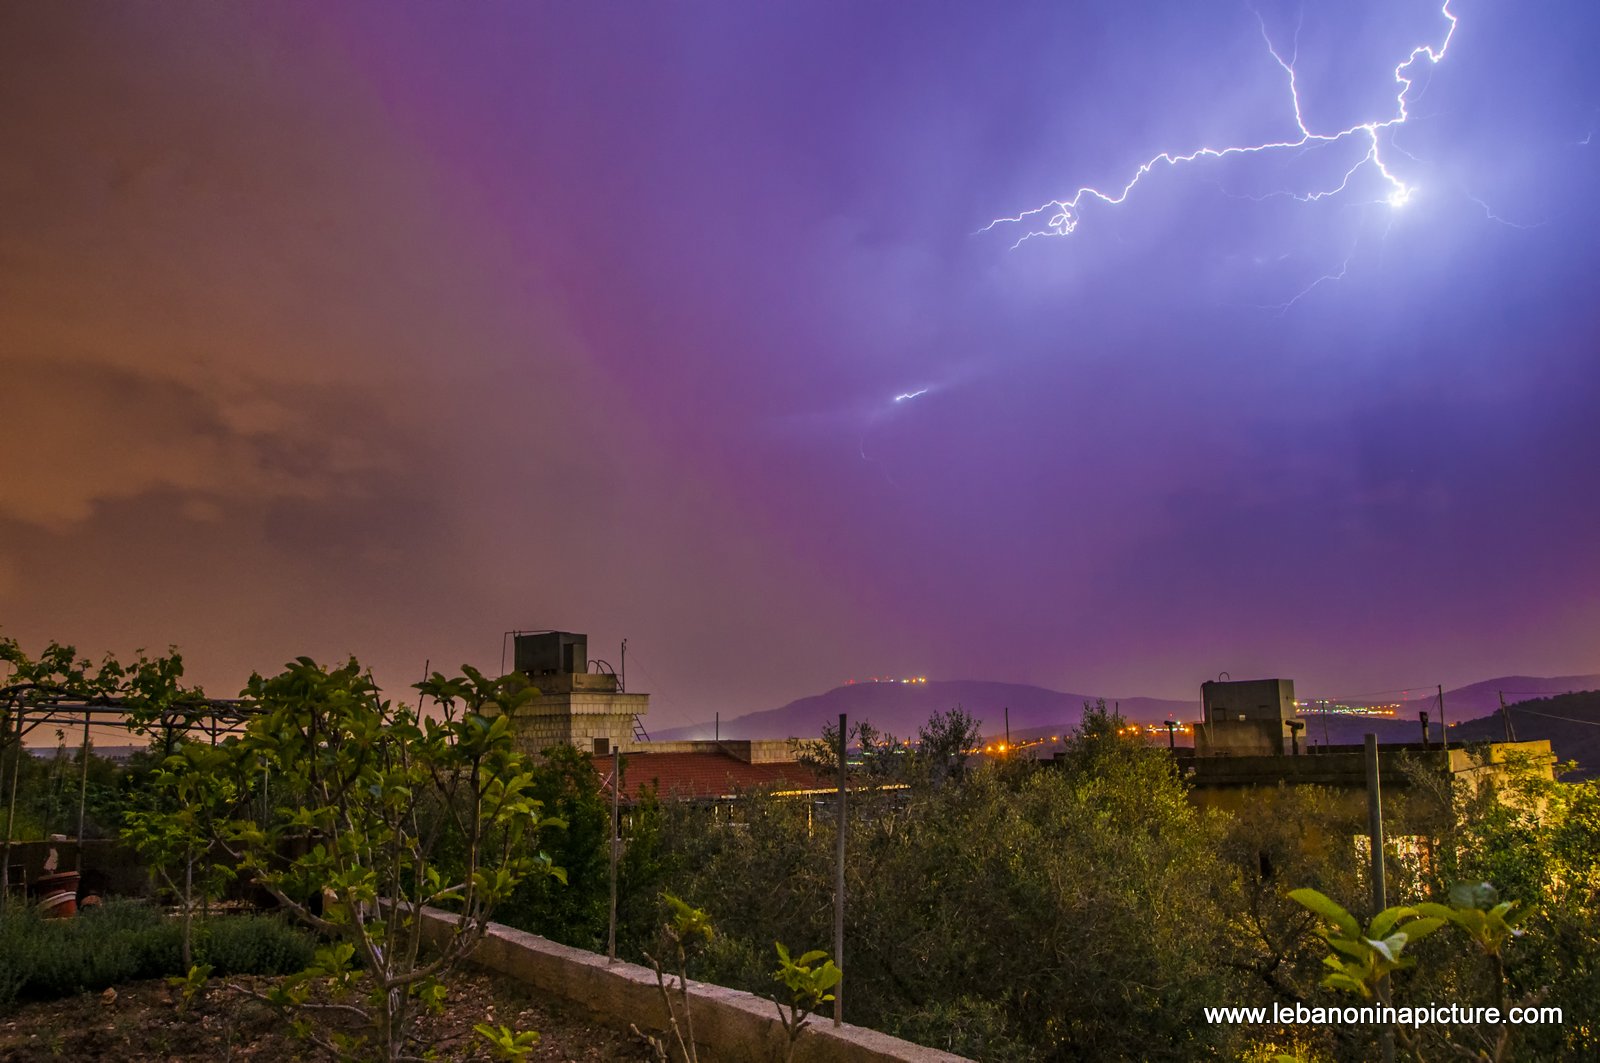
[
  {"x": 1444, "y": 728},
  {"x": 83, "y": 786},
  {"x": 1375, "y": 826},
  {"x": 11, "y": 816},
  {"x": 1008, "y": 728},
  {"x": 838, "y": 881},
  {"x": 1379, "y": 890},
  {"x": 616, "y": 842}
]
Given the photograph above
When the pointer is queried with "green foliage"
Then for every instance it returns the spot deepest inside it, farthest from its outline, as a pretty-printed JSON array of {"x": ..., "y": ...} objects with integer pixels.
[
  {"x": 1476, "y": 909},
  {"x": 576, "y": 911},
  {"x": 122, "y": 941},
  {"x": 1363, "y": 957},
  {"x": 808, "y": 981},
  {"x": 1296, "y": 835},
  {"x": 173, "y": 822},
  {"x": 642, "y": 871},
  {"x": 506, "y": 1043},
  {"x": 48, "y": 789},
  {"x": 1538, "y": 840},
  {"x": 191, "y": 986},
  {"x": 59, "y": 668},
  {"x": 1039, "y": 912},
  {"x": 945, "y": 743},
  {"x": 364, "y": 791},
  {"x": 252, "y": 944},
  {"x": 966, "y": 1024},
  {"x": 686, "y": 925},
  {"x": 685, "y": 929},
  {"x": 940, "y": 753}
]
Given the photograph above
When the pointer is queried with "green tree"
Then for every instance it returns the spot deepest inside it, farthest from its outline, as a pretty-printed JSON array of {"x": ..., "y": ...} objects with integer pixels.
[
  {"x": 946, "y": 742},
  {"x": 1035, "y": 912},
  {"x": 574, "y": 910},
  {"x": 174, "y": 822},
  {"x": 364, "y": 791}
]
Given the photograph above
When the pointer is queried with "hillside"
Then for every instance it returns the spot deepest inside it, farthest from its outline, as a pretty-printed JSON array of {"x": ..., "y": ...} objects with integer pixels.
[
  {"x": 900, "y": 708},
  {"x": 1570, "y": 721},
  {"x": 1480, "y": 699}
]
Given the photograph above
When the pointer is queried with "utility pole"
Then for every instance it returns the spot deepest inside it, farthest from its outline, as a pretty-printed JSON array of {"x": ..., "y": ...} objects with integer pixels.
[
  {"x": 1505, "y": 718},
  {"x": 838, "y": 882},
  {"x": 622, "y": 680},
  {"x": 1444, "y": 728}
]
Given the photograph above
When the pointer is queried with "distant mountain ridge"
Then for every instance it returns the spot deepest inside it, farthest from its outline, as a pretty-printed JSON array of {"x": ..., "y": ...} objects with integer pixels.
[{"x": 900, "y": 708}]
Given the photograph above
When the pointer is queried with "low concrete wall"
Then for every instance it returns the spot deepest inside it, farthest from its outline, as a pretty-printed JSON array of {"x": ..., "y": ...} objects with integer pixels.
[{"x": 729, "y": 1025}]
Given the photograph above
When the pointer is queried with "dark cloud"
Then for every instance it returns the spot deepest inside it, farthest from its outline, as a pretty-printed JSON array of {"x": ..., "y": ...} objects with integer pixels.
[{"x": 385, "y": 328}]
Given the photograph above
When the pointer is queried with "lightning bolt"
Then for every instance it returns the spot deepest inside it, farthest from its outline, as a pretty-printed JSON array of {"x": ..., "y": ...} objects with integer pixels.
[{"x": 1062, "y": 216}]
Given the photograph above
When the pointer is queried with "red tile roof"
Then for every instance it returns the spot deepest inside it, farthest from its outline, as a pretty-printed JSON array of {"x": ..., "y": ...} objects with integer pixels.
[{"x": 703, "y": 776}]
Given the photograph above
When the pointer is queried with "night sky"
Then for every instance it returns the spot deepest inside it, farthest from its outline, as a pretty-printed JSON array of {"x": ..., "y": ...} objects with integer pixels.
[{"x": 381, "y": 329}]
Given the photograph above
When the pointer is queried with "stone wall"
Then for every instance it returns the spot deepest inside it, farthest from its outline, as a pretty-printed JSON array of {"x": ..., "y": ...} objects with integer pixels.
[{"x": 729, "y": 1026}]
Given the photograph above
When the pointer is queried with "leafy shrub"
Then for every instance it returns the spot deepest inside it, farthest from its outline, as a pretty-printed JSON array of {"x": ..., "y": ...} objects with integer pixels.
[
  {"x": 116, "y": 942},
  {"x": 126, "y": 941},
  {"x": 253, "y": 944}
]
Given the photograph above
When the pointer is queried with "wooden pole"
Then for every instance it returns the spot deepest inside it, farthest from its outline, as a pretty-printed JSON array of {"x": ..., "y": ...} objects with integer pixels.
[{"x": 838, "y": 879}]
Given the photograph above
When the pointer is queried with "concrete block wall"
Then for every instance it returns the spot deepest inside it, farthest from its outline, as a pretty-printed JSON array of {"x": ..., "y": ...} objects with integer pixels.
[{"x": 730, "y": 1026}]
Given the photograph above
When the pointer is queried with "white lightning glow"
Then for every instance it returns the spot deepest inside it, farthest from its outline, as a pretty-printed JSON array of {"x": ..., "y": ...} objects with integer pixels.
[
  {"x": 1062, "y": 216},
  {"x": 905, "y": 396}
]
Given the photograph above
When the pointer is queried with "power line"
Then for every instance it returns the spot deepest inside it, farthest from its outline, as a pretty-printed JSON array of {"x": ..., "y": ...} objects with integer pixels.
[
  {"x": 1553, "y": 716},
  {"x": 1376, "y": 693}
]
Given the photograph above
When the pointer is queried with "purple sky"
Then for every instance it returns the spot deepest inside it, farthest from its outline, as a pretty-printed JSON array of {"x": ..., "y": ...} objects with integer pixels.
[{"x": 382, "y": 329}]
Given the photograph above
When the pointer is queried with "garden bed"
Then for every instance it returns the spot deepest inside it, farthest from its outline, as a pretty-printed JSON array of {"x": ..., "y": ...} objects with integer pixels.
[{"x": 140, "y": 1021}]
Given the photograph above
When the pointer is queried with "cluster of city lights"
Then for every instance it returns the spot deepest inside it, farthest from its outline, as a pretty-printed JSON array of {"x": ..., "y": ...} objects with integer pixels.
[
  {"x": 887, "y": 679},
  {"x": 1152, "y": 730},
  {"x": 1335, "y": 708},
  {"x": 1134, "y": 730}
]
